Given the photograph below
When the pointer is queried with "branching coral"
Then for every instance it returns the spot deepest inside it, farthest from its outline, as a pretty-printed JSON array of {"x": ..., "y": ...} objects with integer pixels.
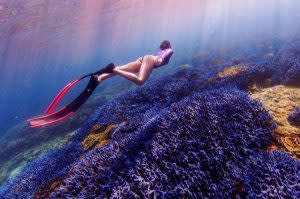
[
  {"x": 289, "y": 65},
  {"x": 273, "y": 175},
  {"x": 292, "y": 77},
  {"x": 181, "y": 152},
  {"x": 41, "y": 171},
  {"x": 191, "y": 134}
]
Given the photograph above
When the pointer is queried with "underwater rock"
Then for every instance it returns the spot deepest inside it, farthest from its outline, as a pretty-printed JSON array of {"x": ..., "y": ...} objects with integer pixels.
[{"x": 180, "y": 152}]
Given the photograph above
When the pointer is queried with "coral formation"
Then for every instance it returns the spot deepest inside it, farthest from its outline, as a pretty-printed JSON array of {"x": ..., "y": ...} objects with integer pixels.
[
  {"x": 171, "y": 154},
  {"x": 232, "y": 71},
  {"x": 294, "y": 117},
  {"x": 41, "y": 171},
  {"x": 290, "y": 65},
  {"x": 97, "y": 137},
  {"x": 273, "y": 175},
  {"x": 201, "y": 54},
  {"x": 21, "y": 144},
  {"x": 18, "y": 153},
  {"x": 202, "y": 132},
  {"x": 280, "y": 101}
]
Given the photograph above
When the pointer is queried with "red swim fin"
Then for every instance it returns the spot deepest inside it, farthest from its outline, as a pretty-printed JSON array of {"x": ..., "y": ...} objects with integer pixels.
[
  {"x": 56, "y": 116},
  {"x": 107, "y": 69},
  {"x": 50, "y": 119},
  {"x": 67, "y": 110},
  {"x": 59, "y": 96}
]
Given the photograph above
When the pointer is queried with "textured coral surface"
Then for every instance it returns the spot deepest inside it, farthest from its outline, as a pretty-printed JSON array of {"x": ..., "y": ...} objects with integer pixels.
[
  {"x": 180, "y": 152},
  {"x": 294, "y": 117},
  {"x": 97, "y": 138},
  {"x": 275, "y": 175},
  {"x": 281, "y": 101},
  {"x": 232, "y": 71}
]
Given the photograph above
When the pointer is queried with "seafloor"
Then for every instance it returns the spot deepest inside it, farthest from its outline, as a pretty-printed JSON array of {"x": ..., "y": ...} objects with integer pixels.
[{"x": 225, "y": 124}]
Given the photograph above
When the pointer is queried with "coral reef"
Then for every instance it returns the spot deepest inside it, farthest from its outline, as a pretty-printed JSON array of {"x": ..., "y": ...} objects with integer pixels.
[
  {"x": 41, "y": 171},
  {"x": 171, "y": 154},
  {"x": 204, "y": 131},
  {"x": 97, "y": 138},
  {"x": 280, "y": 101},
  {"x": 232, "y": 71},
  {"x": 20, "y": 145},
  {"x": 294, "y": 117},
  {"x": 290, "y": 65},
  {"x": 18, "y": 153},
  {"x": 274, "y": 175}
]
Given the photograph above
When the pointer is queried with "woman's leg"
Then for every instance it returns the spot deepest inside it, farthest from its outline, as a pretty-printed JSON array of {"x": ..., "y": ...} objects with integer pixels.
[
  {"x": 144, "y": 73},
  {"x": 132, "y": 67},
  {"x": 104, "y": 76}
]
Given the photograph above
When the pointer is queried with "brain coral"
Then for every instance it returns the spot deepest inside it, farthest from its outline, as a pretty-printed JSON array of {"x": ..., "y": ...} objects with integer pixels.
[{"x": 196, "y": 148}]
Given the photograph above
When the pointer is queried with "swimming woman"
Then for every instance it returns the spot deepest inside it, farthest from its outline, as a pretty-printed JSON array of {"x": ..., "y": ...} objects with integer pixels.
[{"x": 139, "y": 71}]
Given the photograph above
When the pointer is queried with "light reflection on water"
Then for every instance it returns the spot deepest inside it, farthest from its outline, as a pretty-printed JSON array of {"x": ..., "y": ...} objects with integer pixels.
[{"x": 45, "y": 44}]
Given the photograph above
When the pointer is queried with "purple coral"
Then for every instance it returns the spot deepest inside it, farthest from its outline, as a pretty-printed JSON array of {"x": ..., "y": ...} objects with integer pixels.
[
  {"x": 294, "y": 117},
  {"x": 293, "y": 75},
  {"x": 190, "y": 134},
  {"x": 196, "y": 148},
  {"x": 273, "y": 175},
  {"x": 41, "y": 171},
  {"x": 289, "y": 62}
]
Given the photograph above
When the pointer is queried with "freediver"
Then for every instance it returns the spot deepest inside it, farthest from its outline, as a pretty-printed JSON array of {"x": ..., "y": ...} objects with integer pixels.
[{"x": 139, "y": 70}]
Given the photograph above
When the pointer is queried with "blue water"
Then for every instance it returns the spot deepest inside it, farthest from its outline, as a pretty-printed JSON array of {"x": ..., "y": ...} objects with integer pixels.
[{"x": 45, "y": 45}]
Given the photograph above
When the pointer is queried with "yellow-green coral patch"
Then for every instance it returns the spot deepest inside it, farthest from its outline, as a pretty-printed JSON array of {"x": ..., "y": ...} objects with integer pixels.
[
  {"x": 232, "y": 71},
  {"x": 280, "y": 101},
  {"x": 98, "y": 136}
]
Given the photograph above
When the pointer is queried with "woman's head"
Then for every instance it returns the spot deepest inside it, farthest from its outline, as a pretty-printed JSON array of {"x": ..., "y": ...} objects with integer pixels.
[{"x": 165, "y": 44}]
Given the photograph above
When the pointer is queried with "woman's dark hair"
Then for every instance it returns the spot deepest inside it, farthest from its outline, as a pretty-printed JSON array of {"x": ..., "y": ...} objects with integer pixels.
[{"x": 165, "y": 44}]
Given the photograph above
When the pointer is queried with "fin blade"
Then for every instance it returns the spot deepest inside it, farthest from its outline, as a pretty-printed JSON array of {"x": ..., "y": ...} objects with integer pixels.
[
  {"x": 48, "y": 120},
  {"x": 59, "y": 96}
]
